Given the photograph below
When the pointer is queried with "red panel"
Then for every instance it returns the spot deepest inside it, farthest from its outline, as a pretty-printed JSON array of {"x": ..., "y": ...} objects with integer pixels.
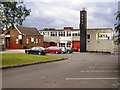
[
  {"x": 12, "y": 45},
  {"x": 46, "y": 46},
  {"x": 76, "y": 44}
]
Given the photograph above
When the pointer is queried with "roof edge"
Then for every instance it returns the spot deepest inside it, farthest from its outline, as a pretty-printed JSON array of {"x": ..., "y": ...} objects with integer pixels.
[{"x": 17, "y": 29}]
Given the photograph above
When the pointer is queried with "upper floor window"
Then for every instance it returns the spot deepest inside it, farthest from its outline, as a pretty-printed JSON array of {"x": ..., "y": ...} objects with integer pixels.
[
  {"x": 75, "y": 34},
  {"x": 36, "y": 40},
  {"x": 88, "y": 36}
]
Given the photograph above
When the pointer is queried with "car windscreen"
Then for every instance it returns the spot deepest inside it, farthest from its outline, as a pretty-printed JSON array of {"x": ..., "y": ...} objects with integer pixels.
[{"x": 33, "y": 48}]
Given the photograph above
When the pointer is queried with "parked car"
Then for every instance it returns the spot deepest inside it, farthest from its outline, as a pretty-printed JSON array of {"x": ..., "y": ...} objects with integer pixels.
[
  {"x": 63, "y": 49},
  {"x": 69, "y": 49},
  {"x": 54, "y": 50},
  {"x": 36, "y": 50}
]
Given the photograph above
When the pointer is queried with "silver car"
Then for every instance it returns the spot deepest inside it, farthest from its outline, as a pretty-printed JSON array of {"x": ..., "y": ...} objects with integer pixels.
[{"x": 63, "y": 49}]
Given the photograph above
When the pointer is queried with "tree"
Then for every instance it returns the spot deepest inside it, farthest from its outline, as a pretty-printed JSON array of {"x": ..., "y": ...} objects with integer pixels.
[
  {"x": 49, "y": 29},
  {"x": 13, "y": 13},
  {"x": 117, "y": 27}
]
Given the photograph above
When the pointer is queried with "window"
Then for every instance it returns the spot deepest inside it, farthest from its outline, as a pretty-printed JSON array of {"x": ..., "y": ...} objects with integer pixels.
[
  {"x": 76, "y": 34},
  {"x": 73, "y": 34},
  {"x": 32, "y": 39},
  {"x": 68, "y": 44},
  {"x": 64, "y": 34},
  {"x": 61, "y": 44},
  {"x": 43, "y": 33},
  {"x": 46, "y": 43},
  {"x": 55, "y": 33},
  {"x": 16, "y": 41},
  {"x": 88, "y": 36},
  {"x": 39, "y": 41},
  {"x": 59, "y": 34},
  {"x": 27, "y": 41},
  {"x": 51, "y": 34},
  {"x": 67, "y": 34},
  {"x": 36, "y": 40}
]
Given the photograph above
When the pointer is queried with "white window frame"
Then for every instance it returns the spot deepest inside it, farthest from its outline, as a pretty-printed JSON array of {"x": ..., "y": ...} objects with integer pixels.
[{"x": 36, "y": 40}]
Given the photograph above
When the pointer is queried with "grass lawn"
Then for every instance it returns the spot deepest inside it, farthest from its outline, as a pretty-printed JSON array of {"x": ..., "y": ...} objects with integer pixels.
[
  {"x": 14, "y": 58},
  {"x": 117, "y": 47}
]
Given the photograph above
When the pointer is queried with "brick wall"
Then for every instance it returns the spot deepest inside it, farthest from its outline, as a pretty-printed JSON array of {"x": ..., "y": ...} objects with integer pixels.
[{"x": 26, "y": 40}]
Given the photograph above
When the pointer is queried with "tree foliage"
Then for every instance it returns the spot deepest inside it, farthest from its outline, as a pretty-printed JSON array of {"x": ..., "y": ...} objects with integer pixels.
[
  {"x": 13, "y": 13},
  {"x": 117, "y": 27},
  {"x": 49, "y": 29}
]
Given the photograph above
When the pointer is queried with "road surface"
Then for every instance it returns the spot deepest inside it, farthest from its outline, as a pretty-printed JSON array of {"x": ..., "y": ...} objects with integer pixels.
[{"x": 81, "y": 70}]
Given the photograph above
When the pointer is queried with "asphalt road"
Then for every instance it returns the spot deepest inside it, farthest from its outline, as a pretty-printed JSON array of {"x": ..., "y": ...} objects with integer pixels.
[{"x": 81, "y": 70}]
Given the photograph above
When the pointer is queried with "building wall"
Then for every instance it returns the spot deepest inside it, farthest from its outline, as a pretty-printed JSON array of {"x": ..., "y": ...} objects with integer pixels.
[
  {"x": 13, "y": 36},
  {"x": 75, "y": 36},
  {"x": 94, "y": 44},
  {"x": 57, "y": 38},
  {"x": 27, "y": 43},
  {"x": 2, "y": 43}
]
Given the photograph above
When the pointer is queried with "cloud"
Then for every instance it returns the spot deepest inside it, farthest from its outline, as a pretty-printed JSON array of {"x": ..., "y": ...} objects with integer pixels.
[{"x": 59, "y": 14}]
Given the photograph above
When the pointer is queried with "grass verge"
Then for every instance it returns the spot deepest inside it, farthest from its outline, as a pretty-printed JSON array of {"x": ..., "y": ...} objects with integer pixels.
[{"x": 15, "y": 59}]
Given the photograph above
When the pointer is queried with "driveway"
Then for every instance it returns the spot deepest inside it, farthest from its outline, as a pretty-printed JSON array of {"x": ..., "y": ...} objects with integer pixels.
[{"x": 81, "y": 70}]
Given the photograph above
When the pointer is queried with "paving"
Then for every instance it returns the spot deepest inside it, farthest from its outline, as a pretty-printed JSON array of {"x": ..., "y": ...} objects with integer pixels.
[
  {"x": 81, "y": 70},
  {"x": 13, "y": 51}
]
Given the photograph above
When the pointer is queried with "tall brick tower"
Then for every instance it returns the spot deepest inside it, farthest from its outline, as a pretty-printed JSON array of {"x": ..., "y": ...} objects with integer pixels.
[{"x": 83, "y": 28}]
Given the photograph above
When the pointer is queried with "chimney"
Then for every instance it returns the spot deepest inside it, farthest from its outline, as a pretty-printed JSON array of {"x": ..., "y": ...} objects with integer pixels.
[{"x": 83, "y": 28}]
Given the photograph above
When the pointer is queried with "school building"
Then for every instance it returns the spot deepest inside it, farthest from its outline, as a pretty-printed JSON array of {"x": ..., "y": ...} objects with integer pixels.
[{"x": 82, "y": 39}]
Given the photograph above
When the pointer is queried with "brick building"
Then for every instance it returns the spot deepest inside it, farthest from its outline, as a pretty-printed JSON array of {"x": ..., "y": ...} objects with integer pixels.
[{"x": 22, "y": 37}]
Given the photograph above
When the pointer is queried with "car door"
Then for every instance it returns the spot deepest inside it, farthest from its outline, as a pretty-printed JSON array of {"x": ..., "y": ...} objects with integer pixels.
[
  {"x": 37, "y": 49},
  {"x": 52, "y": 49},
  {"x": 55, "y": 49},
  {"x": 32, "y": 50},
  {"x": 48, "y": 49}
]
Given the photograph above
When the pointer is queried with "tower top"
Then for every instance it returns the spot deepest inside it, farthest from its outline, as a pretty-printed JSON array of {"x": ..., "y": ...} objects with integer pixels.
[{"x": 83, "y": 9}]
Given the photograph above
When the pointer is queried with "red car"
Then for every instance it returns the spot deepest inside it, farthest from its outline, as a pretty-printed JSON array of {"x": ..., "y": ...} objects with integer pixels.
[{"x": 54, "y": 50}]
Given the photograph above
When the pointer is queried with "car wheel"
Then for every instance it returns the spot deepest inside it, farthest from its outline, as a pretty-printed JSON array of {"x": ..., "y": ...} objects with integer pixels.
[
  {"x": 27, "y": 52},
  {"x": 68, "y": 52},
  {"x": 39, "y": 53},
  {"x": 56, "y": 52},
  {"x": 62, "y": 52}
]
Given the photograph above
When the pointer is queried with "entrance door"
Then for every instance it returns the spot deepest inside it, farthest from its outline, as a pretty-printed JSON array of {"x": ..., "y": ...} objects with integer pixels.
[{"x": 7, "y": 40}]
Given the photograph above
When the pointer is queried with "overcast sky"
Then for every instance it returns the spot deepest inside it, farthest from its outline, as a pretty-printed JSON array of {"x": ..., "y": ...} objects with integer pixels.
[{"x": 59, "y": 14}]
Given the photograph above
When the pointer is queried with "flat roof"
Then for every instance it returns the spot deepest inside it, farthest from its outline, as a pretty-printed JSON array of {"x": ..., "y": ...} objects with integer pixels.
[{"x": 79, "y": 29}]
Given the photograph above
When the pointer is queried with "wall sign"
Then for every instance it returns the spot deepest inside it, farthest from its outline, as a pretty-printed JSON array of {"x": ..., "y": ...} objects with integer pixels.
[
  {"x": 103, "y": 36},
  {"x": 19, "y": 37},
  {"x": 65, "y": 39}
]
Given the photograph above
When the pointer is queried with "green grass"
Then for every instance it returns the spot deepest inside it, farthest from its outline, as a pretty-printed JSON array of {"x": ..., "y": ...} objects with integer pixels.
[
  {"x": 14, "y": 59},
  {"x": 117, "y": 47}
]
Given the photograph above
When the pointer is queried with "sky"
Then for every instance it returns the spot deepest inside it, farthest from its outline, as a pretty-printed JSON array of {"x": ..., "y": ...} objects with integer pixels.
[{"x": 66, "y": 13}]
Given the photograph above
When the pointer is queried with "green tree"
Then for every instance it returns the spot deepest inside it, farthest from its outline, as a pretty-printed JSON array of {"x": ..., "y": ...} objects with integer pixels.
[
  {"x": 117, "y": 27},
  {"x": 49, "y": 29},
  {"x": 14, "y": 13}
]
